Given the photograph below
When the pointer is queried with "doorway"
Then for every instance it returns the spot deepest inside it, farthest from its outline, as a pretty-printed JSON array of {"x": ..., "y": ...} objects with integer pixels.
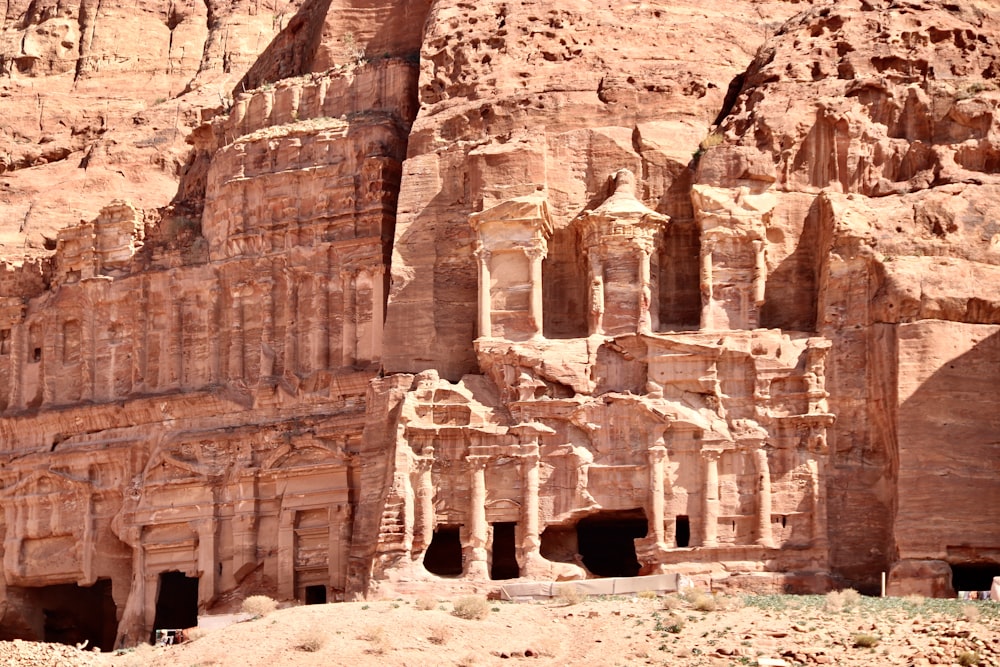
[
  {"x": 607, "y": 542},
  {"x": 176, "y": 601},
  {"x": 504, "y": 565}
]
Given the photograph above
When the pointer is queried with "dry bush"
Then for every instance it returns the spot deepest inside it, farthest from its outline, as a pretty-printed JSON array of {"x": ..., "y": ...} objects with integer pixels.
[
  {"x": 648, "y": 595},
  {"x": 914, "y": 599},
  {"x": 852, "y": 598},
  {"x": 968, "y": 658},
  {"x": 671, "y": 602},
  {"x": 729, "y": 602},
  {"x": 471, "y": 607},
  {"x": 440, "y": 634},
  {"x": 312, "y": 640},
  {"x": 378, "y": 638},
  {"x": 569, "y": 595},
  {"x": 703, "y": 603},
  {"x": 840, "y": 600},
  {"x": 195, "y": 633},
  {"x": 258, "y": 605},
  {"x": 970, "y": 612},
  {"x": 425, "y": 603},
  {"x": 865, "y": 640}
]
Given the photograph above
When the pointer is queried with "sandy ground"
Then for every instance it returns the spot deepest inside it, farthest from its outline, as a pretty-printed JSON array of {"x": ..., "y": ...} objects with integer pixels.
[{"x": 751, "y": 630}]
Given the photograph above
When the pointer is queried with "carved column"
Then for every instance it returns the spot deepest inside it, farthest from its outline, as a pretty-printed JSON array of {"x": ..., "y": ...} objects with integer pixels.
[
  {"x": 819, "y": 538},
  {"x": 535, "y": 255},
  {"x": 656, "y": 455},
  {"x": 710, "y": 517},
  {"x": 760, "y": 272},
  {"x": 424, "y": 529},
  {"x": 764, "y": 535},
  {"x": 645, "y": 287},
  {"x": 531, "y": 543},
  {"x": 348, "y": 281},
  {"x": 206, "y": 561},
  {"x": 707, "y": 248},
  {"x": 596, "y": 319},
  {"x": 476, "y": 557},
  {"x": 286, "y": 554},
  {"x": 485, "y": 302}
]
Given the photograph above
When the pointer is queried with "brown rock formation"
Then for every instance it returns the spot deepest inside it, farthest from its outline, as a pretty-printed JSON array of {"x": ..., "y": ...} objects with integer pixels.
[{"x": 459, "y": 293}]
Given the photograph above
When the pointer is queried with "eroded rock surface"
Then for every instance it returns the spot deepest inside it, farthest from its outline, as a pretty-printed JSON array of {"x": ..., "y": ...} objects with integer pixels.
[{"x": 452, "y": 294}]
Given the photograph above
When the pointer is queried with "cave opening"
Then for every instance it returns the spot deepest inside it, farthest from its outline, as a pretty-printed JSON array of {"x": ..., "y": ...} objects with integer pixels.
[
  {"x": 504, "y": 564},
  {"x": 683, "y": 530},
  {"x": 316, "y": 594},
  {"x": 973, "y": 576},
  {"x": 607, "y": 542},
  {"x": 444, "y": 554},
  {"x": 65, "y": 614},
  {"x": 176, "y": 602}
]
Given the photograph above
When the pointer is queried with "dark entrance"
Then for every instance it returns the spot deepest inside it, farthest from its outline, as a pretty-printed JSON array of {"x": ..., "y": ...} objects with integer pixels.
[
  {"x": 974, "y": 576},
  {"x": 683, "y": 532},
  {"x": 444, "y": 554},
  {"x": 176, "y": 602},
  {"x": 64, "y": 613},
  {"x": 504, "y": 564},
  {"x": 315, "y": 594},
  {"x": 607, "y": 542}
]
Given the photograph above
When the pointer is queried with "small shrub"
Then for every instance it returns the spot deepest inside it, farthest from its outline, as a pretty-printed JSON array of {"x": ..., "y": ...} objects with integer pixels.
[
  {"x": 569, "y": 595},
  {"x": 471, "y": 607},
  {"x": 968, "y": 658},
  {"x": 258, "y": 605},
  {"x": 440, "y": 635},
  {"x": 378, "y": 638},
  {"x": 425, "y": 603},
  {"x": 971, "y": 612},
  {"x": 312, "y": 640},
  {"x": 711, "y": 140},
  {"x": 703, "y": 603},
  {"x": 864, "y": 640},
  {"x": 648, "y": 595},
  {"x": 671, "y": 602},
  {"x": 852, "y": 598}
]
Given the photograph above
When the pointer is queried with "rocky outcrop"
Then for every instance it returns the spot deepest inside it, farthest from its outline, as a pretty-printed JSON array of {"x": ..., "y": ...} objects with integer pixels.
[{"x": 451, "y": 294}]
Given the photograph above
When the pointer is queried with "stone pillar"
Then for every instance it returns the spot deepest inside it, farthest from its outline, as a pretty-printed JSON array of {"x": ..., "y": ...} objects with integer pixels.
[
  {"x": 656, "y": 455},
  {"x": 485, "y": 301},
  {"x": 206, "y": 562},
  {"x": 425, "y": 519},
  {"x": 349, "y": 339},
  {"x": 645, "y": 289},
  {"x": 705, "y": 277},
  {"x": 596, "y": 315},
  {"x": 535, "y": 255},
  {"x": 710, "y": 516},
  {"x": 819, "y": 538},
  {"x": 476, "y": 556},
  {"x": 286, "y": 554},
  {"x": 760, "y": 272},
  {"x": 531, "y": 542},
  {"x": 765, "y": 537}
]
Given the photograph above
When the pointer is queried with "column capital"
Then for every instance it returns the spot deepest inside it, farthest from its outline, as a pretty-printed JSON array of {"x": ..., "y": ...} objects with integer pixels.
[{"x": 656, "y": 453}]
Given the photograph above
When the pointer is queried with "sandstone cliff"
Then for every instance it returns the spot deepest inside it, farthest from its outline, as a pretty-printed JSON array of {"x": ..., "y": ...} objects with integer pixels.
[{"x": 403, "y": 295}]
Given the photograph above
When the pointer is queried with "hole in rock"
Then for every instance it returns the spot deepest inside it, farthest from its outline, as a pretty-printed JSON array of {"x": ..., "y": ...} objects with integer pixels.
[
  {"x": 974, "y": 576},
  {"x": 444, "y": 554},
  {"x": 64, "y": 613},
  {"x": 315, "y": 594},
  {"x": 607, "y": 542},
  {"x": 504, "y": 564},
  {"x": 683, "y": 531},
  {"x": 176, "y": 602},
  {"x": 559, "y": 544}
]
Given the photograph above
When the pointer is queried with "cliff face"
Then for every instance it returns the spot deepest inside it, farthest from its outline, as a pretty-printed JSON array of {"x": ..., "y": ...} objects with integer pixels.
[{"x": 439, "y": 294}]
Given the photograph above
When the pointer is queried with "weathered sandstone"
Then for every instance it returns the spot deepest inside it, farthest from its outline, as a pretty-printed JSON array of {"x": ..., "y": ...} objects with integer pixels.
[{"x": 439, "y": 294}]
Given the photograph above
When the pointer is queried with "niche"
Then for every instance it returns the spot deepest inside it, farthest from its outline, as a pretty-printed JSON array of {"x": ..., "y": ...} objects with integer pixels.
[
  {"x": 607, "y": 542},
  {"x": 974, "y": 576},
  {"x": 504, "y": 563},
  {"x": 64, "y": 613},
  {"x": 683, "y": 531},
  {"x": 176, "y": 602},
  {"x": 444, "y": 554},
  {"x": 315, "y": 595}
]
